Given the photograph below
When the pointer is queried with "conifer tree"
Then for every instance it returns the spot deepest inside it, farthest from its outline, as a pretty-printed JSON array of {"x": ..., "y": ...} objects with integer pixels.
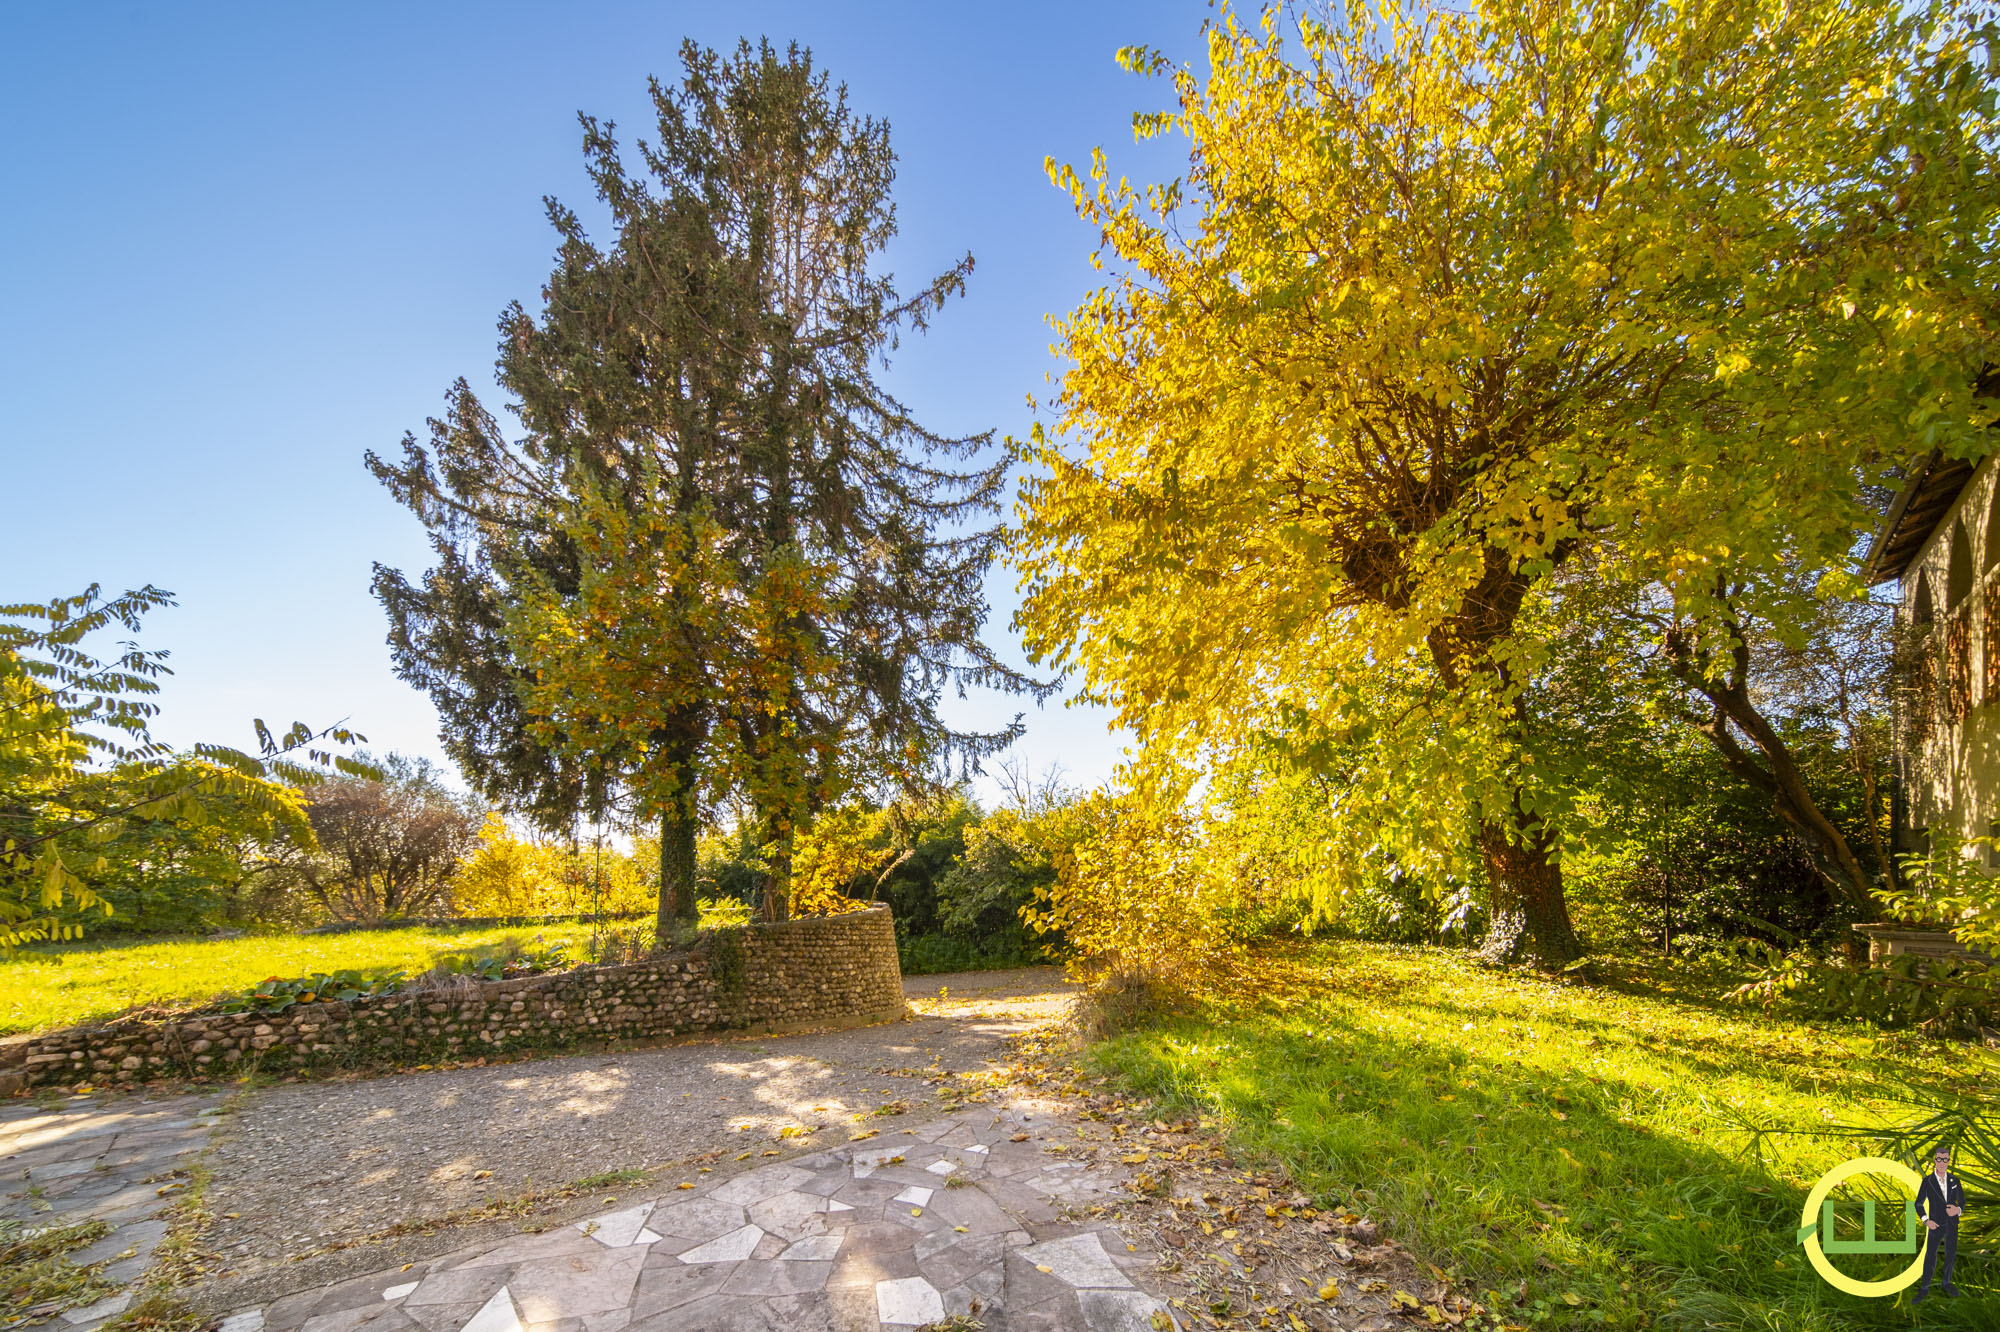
[{"x": 721, "y": 557}]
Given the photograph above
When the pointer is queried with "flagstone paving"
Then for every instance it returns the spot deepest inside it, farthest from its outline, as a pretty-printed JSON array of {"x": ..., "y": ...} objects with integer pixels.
[
  {"x": 953, "y": 1217},
  {"x": 119, "y": 1162}
]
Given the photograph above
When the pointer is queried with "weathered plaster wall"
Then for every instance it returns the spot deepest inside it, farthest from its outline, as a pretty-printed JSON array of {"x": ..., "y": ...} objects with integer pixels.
[{"x": 1951, "y": 730}]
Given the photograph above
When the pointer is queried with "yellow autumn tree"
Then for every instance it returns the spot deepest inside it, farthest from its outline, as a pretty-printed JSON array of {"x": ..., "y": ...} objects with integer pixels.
[
  {"x": 511, "y": 875},
  {"x": 1448, "y": 299}
]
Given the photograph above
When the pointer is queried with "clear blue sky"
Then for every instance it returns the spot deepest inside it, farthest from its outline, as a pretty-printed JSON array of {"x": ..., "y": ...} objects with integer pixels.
[{"x": 245, "y": 243}]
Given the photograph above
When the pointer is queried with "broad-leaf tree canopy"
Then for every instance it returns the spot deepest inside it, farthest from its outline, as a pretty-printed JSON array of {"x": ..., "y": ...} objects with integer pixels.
[
  {"x": 85, "y": 789},
  {"x": 1449, "y": 298}
]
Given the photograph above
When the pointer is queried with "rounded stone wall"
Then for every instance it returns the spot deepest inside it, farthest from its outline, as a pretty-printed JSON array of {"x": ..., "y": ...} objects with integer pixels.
[{"x": 819, "y": 971}]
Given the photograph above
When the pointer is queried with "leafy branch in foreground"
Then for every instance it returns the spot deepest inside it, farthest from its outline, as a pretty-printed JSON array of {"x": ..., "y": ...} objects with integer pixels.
[
  {"x": 1950, "y": 888},
  {"x": 1943, "y": 994},
  {"x": 80, "y": 769},
  {"x": 1966, "y": 1119}
]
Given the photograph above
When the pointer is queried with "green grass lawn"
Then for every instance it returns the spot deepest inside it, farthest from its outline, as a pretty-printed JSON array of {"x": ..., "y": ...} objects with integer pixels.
[
  {"x": 1571, "y": 1152},
  {"x": 59, "y": 985}
]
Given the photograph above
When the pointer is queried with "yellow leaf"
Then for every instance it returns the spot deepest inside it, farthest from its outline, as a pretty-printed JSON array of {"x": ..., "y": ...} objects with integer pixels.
[{"x": 1330, "y": 1291}]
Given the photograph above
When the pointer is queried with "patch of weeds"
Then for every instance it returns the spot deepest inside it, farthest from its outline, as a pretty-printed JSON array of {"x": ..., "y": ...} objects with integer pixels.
[
  {"x": 955, "y": 1323},
  {"x": 49, "y": 1243},
  {"x": 1124, "y": 1001},
  {"x": 893, "y": 1108},
  {"x": 178, "y": 1259},
  {"x": 957, "y": 1182},
  {"x": 37, "y": 1276},
  {"x": 158, "y": 1312},
  {"x": 591, "y": 1183}
]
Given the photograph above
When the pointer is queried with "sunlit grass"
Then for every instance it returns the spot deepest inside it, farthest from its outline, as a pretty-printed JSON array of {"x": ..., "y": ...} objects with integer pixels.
[
  {"x": 1569, "y": 1151},
  {"x": 82, "y": 982}
]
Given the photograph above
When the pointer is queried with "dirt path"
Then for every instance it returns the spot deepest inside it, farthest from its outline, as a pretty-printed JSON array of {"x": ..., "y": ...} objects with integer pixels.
[{"x": 318, "y": 1168}]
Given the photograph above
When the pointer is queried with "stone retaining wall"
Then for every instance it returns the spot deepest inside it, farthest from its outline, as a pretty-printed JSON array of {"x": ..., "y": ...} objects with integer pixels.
[
  {"x": 818, "y": 971},
  {"x": 448, "y": 923}
]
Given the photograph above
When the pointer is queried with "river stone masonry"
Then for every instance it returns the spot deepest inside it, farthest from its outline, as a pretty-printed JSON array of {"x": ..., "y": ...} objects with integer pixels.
[{"x": 814, "y": 972}]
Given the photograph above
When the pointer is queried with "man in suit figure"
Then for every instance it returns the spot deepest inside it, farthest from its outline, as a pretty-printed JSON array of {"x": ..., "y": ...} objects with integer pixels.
[{"x": 1941, "y": 1199}]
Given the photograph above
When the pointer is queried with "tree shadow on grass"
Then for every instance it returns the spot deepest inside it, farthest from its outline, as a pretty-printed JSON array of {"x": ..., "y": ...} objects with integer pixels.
[{"x": 1523, "y": 1186}]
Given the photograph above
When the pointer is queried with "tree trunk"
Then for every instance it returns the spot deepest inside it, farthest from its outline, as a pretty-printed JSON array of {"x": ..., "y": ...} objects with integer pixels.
[
  {"x": 778, "y": 881},
  {"x": 680, "y": 824},
  {"x": 1530, "y": 915},
  {"x": 1778, "y": 776},
  {"x": 678, "y": 908}
]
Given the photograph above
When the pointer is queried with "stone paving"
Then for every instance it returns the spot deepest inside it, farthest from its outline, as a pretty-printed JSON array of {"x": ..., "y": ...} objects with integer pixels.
[
  {"x": 951, "y": 1218},
  {"x": 114, "y": 1162}
]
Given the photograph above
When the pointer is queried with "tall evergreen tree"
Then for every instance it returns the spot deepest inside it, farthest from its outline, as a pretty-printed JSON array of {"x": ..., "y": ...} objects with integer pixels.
[{"x": 720, "y": 557}]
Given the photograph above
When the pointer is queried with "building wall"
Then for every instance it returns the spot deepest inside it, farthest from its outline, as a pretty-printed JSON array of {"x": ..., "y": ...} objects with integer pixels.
[
  {"x": 814, "y": 972},
  {"x": 1950, "y": 722}
]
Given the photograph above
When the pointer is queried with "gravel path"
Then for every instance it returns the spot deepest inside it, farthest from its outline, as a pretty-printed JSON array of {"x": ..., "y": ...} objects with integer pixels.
[{"x": 304, "y": 1168}]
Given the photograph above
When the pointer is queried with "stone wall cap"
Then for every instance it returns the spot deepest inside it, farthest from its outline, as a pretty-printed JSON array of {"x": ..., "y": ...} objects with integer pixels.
[{"x": 1885, "y": 930}]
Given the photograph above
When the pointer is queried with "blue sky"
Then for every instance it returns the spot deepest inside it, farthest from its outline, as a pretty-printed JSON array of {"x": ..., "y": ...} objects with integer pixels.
[{"x": 243, "y": 244}]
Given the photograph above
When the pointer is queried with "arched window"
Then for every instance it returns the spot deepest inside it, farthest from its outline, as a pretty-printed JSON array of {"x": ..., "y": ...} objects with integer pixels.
[
  {"x": 1923, "y": 614},
  {"x": 1958, "y": 582}
]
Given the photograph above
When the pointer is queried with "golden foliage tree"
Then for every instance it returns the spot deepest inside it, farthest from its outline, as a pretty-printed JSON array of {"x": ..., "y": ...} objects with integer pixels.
[{"x": 1448, "y": 297}]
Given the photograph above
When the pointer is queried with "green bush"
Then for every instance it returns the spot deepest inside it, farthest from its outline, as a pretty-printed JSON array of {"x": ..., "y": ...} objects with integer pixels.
[{"x": 931, "y": 954}]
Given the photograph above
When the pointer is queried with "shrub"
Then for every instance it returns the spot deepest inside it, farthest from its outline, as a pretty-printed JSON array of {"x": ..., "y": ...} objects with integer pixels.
[
  {"x": 932, "y": 954},
  {"x": 1944, "y": 995},
  {"x": 1948, "y": 887},
  {"x": 509, "y": 875}
]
